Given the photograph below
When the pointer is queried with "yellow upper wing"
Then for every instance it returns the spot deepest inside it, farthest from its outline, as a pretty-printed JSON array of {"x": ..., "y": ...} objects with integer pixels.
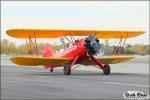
[
  {"x": 43, "y": 33},
  {"x": 108, "y": 60},
  {"x": 35, "y": 61}
]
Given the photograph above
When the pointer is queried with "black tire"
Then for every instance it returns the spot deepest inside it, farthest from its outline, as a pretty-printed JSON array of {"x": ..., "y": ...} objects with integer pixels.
[
  {"x": 106, "y": 69},
  {"x": 51, "y": 70},
  {"x": 67, "y": 69}
]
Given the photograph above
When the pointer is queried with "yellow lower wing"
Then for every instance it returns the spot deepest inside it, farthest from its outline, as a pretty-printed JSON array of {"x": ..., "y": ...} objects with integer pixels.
[
  {"x": 35, "y": 61},
  {"x": 108, "y": 60}
]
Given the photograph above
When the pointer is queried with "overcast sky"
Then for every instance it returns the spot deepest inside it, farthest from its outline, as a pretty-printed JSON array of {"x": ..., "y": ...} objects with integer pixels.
[{"x": 101, "y": 15}]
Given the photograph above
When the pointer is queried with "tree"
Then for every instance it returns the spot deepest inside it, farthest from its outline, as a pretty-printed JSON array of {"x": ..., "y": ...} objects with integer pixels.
[
  {"x": 138, "y": 49},
  {"x": 8, "y": 47}
]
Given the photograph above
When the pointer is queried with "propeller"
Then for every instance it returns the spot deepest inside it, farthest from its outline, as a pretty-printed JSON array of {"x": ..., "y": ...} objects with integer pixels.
[{"x": 91, "y": 45}]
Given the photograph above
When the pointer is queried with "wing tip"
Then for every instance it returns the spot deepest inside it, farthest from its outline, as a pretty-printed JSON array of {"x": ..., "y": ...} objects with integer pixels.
[
  {"x": 13, "y": 59},
  {"x": 10, "y": 32}
]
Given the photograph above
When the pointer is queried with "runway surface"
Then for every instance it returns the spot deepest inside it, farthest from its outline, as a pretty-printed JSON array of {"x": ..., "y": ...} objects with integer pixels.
[{"x": 84, "y": 83}]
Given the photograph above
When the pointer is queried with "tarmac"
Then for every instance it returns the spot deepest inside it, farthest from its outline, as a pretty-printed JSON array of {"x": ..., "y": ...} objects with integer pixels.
[{"x": 85, "y": 82}]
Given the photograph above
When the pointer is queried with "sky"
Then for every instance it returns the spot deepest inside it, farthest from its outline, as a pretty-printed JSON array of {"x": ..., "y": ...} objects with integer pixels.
[{"x": 98, "y": 15}]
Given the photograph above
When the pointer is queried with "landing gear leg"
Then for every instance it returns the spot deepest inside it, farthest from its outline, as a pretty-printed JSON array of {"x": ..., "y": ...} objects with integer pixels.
[
  {"x": 67, "y": 67},
  {"x": 105, "y": 68},
  {"x": 51, "y": 70}
]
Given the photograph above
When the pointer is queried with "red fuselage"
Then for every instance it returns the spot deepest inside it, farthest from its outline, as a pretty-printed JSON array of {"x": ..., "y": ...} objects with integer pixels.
[{"x": 74, "y": 50}]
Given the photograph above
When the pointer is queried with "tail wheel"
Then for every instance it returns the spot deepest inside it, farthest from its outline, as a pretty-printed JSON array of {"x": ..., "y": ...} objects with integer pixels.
[
  {"x": 51, "y": 70},
  {"x": 106, "y": 69},
  {"x": 67, "y": 69}
]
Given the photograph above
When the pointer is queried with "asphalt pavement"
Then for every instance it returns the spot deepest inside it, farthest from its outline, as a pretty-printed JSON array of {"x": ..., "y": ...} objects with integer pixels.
[{"x": 85, "y": 82}]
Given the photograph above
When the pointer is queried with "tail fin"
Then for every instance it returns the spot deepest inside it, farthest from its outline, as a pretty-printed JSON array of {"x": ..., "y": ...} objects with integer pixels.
[{"x": 48, "y": 51}]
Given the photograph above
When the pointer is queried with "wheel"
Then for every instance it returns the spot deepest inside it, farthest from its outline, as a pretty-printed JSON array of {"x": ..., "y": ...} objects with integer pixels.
[
  {"x": 106, "y": 69},
  {"x": 51, "y": 70},
  {"x": 67, "y": 69}
]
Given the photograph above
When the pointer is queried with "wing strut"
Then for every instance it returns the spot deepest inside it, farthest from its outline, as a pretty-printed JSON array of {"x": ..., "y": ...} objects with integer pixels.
[
  {"x": 121, "y": 47},
  {"x": 27, "y": 46},
  {"x": 118, "y": 49},
  {"x": 68, "y": 39},
  {"x": 30, "y": 41},
  {"x": 74, "y": 61},
  {"x": 33, "y": 45},
  {"x": 36, "y": 47},
  {"x": 72, "y": 38}
]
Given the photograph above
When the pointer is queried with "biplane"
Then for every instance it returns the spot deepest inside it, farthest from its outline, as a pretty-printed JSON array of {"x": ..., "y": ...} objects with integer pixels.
[{"x": 79, "y": 51}]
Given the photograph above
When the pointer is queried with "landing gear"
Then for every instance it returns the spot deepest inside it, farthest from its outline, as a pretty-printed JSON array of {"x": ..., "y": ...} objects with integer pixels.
[
  {"x": 51, "y": 70},
  {"x": 106, "y": 69},
  {"x": 67, "y": 69}
]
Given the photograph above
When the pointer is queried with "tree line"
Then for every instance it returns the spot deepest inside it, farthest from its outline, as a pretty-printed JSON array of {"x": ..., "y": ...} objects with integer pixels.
[{"x": 10, "y": 48}]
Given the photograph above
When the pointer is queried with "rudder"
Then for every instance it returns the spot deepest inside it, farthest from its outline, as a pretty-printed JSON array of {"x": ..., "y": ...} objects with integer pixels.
[{"x": 48, "y": 52}]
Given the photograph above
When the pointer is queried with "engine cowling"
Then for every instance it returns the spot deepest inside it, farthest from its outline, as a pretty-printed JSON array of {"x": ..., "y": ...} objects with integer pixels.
[{"x": 91, "y": 45}]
